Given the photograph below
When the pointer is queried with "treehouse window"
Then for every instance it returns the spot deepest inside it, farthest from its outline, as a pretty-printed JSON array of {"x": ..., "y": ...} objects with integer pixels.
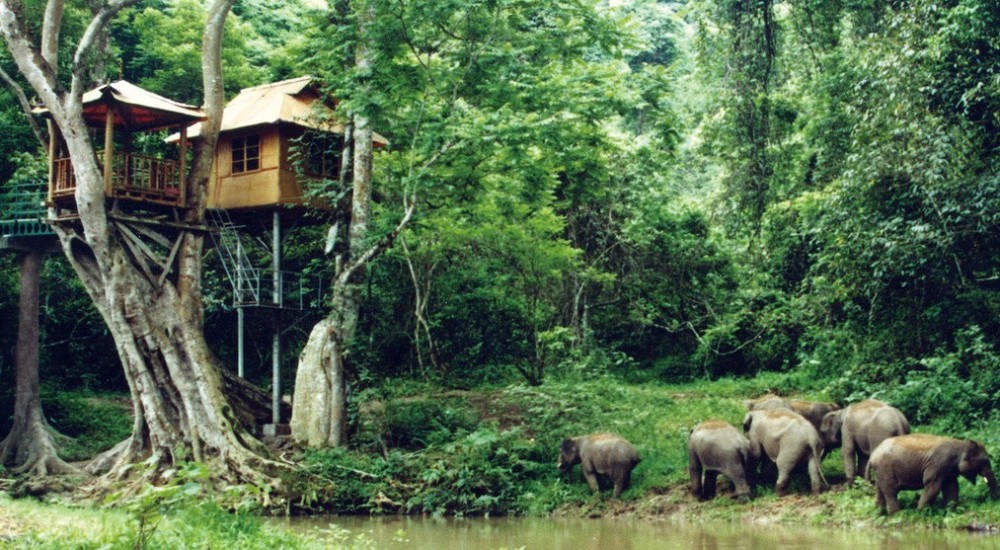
[
  {"x": 246, "y": 154},
  {"x": 323, "y": 158}
]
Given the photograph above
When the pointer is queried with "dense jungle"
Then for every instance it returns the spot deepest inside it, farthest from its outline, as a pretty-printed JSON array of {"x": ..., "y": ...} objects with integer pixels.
[{"x": 583, "y": 216}]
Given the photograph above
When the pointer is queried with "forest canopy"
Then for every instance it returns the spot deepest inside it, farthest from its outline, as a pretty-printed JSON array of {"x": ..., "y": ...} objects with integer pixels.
[{"x": 658, "y": 191}]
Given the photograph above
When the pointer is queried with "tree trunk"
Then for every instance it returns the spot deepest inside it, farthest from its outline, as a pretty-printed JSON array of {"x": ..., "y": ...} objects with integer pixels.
[
  {"x": 319, "y": 406},
  {"x": 29, "y": 447},
  {"x": 180, "y": 410}
]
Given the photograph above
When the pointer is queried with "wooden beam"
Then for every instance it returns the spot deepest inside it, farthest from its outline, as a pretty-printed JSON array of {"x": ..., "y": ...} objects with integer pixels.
[
  {"x": 137, "y": 254},
  {"x": 163, "y": 222},
  {"x": 141, "y": 246},
  {"x": 160, "y": 239},
  {"x": 170, "y": 260}
]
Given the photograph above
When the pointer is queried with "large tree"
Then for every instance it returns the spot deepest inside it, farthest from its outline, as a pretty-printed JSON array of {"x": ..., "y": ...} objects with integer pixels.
[{"x": 181, "y": 412}]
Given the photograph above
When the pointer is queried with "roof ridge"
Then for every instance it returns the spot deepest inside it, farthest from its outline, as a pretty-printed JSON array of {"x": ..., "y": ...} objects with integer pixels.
[{"x": 275, "y": 84}]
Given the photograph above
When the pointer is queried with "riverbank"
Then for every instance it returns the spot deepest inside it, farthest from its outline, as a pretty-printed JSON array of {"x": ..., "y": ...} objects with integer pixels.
[{"x": 424, "y": 451}]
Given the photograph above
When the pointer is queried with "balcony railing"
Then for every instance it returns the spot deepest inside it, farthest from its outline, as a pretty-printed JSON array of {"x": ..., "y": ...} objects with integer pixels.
[{"x": 134, "y": 176}]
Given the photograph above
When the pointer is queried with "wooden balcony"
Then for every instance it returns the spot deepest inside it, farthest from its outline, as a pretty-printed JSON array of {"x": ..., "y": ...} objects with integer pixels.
[{"x": 134, "y": 177}]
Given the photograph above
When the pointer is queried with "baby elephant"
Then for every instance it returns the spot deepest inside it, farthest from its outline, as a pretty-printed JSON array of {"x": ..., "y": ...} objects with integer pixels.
[
  {"x": 929, "y": 462},
  {"x": 602, "y": 454},
  {"x": 788, "y": 439},
  {"x": 717, "y": 447}
]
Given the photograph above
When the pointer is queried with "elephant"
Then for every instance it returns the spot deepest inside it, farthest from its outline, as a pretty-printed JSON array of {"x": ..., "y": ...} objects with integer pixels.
[
  {"x": 813, "y": 411},
  {"x": 858, "y": 429},
  {"x": 604, "y": 454},
  {"x": 717, "y": 447},
  {"x": 788, "y": 439},
  {"x": 929, "y": 462}
]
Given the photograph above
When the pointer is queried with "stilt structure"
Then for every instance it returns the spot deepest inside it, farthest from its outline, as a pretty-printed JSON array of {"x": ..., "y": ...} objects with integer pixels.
[
  {"x": 146, "y": 192},
  {"x": 273, "y": 138}
]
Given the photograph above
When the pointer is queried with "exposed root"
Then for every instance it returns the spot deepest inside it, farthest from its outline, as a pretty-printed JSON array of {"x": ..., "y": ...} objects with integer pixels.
[{"x": 30, "y": 450}]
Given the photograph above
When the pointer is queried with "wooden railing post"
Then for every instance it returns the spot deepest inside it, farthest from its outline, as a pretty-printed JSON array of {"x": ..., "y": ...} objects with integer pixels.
[
  {"x": 182, "y": 177},
  {"x": 109, "y": 145},
  {"x": 52, "y": 159}
]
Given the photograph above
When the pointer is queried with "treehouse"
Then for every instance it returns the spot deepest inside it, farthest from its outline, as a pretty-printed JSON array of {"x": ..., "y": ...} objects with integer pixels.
[
  {"x": 125, "y": 111},
  {"x": 272, "y": 138}
]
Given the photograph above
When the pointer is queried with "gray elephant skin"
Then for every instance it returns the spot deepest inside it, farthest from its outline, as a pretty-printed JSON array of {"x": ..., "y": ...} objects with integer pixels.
[
  {"x": 603, "y": 454},
  {"x": 813, "y": 411},
  {"x": 716, "y": 447},
  {"x": 929, "y": 462},
  {"x": 858, "y": 429},
  {"x": 787, "y": 439}
]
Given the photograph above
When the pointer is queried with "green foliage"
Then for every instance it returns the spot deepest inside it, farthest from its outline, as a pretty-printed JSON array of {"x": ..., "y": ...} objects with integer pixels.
[
  {"x": 92, "y": 422},
  {"x": 951, "y": 389},
  {"x": 419, "y": 423},
  {"x": 160, "y": 46}
]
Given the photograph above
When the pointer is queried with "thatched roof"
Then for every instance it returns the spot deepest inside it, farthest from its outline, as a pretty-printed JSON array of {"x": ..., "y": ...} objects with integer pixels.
[
  {"x": 134, "y": 108},
  {"x": 295, "y": 101}
]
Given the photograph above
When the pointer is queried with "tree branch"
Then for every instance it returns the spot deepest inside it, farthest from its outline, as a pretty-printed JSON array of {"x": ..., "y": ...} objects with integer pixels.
[
  {"x": 50, "y": 32},
  {"x": 22, "y": 99},
  {"x": 91, "y": 37}
]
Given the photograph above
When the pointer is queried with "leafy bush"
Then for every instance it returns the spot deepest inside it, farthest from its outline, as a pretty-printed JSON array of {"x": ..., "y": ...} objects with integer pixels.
[
  {"x": 482, "y": 472},
  {"x": 952, "y": 389},
  {"x": 413, "y": 424},
  {"x": 94, "y": 423}
]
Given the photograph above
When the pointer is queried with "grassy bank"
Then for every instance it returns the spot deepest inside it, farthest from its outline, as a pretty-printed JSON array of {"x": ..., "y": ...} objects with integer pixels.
[{"x": 423, "y": 450}]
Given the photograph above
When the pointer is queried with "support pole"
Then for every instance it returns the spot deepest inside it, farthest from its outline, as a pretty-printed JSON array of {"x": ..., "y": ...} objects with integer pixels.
[
  {"x": 240, "y": 358},
  {"x": 240, "y": 361},
  {"x": 276, "y": 343}
]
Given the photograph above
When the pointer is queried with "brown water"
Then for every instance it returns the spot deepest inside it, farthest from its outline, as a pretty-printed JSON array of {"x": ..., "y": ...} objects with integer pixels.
[{"x": 602, "y": 534}]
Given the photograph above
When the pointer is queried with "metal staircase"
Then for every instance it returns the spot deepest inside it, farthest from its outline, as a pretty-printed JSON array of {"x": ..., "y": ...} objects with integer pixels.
[
  {"x": 244, "y": 277},
  {"x": 255, "y": 286}
]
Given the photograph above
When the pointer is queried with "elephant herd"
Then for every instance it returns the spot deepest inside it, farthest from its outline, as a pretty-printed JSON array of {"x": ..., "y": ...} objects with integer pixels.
[{"x": 874, "y": 438}]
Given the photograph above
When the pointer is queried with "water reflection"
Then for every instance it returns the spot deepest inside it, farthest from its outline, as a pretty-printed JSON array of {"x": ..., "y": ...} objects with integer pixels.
[{"x": 597, "y": 534}]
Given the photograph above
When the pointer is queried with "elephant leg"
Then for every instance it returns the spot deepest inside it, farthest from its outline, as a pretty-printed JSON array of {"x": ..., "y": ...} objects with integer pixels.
[
  {"x": 950, "y": 491},
  {"x": 847, "y": 451},
  {"x": 621, "y": 482},
  {"x": 694, "y": 471},
  {"x": 863, "y": 467},
  {"x": 740, "y": 485},
  {"x": 711, "y": 476},
  {"x": 786, "y": 462},
  {"x": 891, "y": 500},
  {"x": 591, "y": 476},
  {"x": 879, "y": 498},
  {"x": 930, "y": 493},
  {"x": 815, "y": 475}
]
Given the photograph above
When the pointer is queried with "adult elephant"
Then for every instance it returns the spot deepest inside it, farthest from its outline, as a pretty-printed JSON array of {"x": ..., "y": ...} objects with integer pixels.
[
  {"x": 787, "y": 439},
  {"x": 858, "y": 429},
  {"x": 716, "y": 447},
  {"x": 813, "y": 411},
  {"x": 929, "y": 462}
]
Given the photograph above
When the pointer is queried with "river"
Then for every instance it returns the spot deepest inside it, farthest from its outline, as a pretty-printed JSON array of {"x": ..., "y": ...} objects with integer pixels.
[{"x": 608, "y": 534}]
